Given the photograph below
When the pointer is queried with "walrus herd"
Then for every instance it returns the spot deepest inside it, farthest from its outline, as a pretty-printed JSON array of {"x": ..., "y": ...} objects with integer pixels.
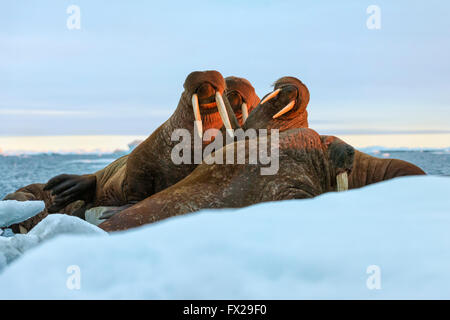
[{"x": 148, "y": 185}]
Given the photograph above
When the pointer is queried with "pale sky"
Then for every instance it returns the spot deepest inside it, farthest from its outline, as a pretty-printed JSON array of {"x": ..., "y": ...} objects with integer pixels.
[{"x": 122, "y": 72}]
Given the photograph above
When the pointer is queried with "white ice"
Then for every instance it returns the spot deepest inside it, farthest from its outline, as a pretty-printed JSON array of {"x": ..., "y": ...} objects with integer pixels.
[
  {"x": 319, "y": 248},
  {"x": 12, "y": 211},
  {"x": 13, "y": 247}
]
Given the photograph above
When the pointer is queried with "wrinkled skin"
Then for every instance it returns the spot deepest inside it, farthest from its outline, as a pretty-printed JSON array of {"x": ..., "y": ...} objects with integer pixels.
[
  {"x": 309, "y": 164},
  {"x": 148, "y": 168},
  {"x": 368, "y": 170},
  {"x": 239, "y": 91}
]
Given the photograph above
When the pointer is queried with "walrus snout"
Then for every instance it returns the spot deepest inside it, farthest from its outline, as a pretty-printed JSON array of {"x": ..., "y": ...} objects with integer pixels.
[
  {"x": 242, "y": 97},
  {"x": 342, "y": 156},
  {"x": 206, "y": 94},
  {"x": 203, "y": 85}
]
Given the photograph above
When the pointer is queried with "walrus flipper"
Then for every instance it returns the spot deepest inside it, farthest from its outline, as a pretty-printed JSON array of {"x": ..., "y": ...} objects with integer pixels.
[{"x": 69, "y": 188}]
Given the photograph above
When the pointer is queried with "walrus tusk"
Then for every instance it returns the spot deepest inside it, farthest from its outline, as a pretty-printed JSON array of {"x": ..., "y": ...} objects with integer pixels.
[
  {"x": 288, "y": 108},
  {"x": 244, "y": 112},
  {"x": 22, "y": 229},
  {"x": 270, "y": 96},
  {"x": 223, "y": 111},
  {"x": 342, "y": 181},
  {"x": 197, "y": 116}
]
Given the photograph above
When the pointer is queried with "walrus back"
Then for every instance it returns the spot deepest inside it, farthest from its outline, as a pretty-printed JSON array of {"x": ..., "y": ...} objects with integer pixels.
[{"x": 368, "y": 170}]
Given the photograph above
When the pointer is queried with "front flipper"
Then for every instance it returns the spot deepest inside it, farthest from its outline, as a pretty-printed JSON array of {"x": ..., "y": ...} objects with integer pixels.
[{"x": 69, "y": 188}]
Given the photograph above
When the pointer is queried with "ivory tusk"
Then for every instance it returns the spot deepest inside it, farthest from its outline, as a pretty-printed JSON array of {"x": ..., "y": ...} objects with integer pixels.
[
  {"x": 197, "y": 116},
  {"x": 288, "y": 108},
  {"x": 342, "y": 181},
  {"x": 270, "y": 96},
  {"x": 244, "y": 112},
  {"x": 223, "y": 111},
  {"x": 22, "y": 229}
]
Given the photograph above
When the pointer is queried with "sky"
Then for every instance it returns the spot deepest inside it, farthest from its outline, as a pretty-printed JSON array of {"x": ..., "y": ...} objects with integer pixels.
[{"x": 122, "y": 72}]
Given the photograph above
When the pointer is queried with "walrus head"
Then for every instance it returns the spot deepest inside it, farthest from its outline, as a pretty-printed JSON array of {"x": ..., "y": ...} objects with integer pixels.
[
  {"x": 342, "y": 157},
  {"x": 207, "y": 106},
  {"x": 284, "y": 108},
  {"x": 241, "y": 96}
]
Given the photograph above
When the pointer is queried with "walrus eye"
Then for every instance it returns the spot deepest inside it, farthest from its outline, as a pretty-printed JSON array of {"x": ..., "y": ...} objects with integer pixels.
[{"x": 271, "y": 96}]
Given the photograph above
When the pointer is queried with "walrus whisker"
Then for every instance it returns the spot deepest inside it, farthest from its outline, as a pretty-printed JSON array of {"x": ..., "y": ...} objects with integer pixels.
[
  {"x": 223, "y": 111},
  {"x": 342, "y": 181},
  {"x": 197, "y": 116},
  {"x": 270, "y": 96},
  {"x": 244, "y": 112},
  {"x": 286, "y": 109}
]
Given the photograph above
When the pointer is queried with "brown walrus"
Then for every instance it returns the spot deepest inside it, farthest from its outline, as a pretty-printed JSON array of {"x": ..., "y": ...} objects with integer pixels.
[
  {"x": 309, "y": 165},
  {"x": 148, "y": 168}
]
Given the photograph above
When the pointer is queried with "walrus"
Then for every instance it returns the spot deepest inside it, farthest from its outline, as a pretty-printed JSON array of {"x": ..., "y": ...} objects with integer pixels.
[
  {"x": 143, "y": 177},
  {"x": 285, "y": 108},
  {"x": 309, "y": 165},
  {"x": 241, "y": 96},
  {"x": 148, "y": 169}
]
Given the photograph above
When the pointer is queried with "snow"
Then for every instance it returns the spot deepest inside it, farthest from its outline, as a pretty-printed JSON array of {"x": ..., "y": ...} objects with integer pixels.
[
  {"x": 13, "y": 247},
  {"x": 12, "y": 211},
  {"x": 318, "y": 248}
]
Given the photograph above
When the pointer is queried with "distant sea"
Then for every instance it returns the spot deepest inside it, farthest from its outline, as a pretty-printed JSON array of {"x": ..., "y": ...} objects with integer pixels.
[{"x": 18, "y": 171}]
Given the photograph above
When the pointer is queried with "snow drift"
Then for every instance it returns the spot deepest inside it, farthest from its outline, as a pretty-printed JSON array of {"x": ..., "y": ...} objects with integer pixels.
[{"x": 319, "y": 248}]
